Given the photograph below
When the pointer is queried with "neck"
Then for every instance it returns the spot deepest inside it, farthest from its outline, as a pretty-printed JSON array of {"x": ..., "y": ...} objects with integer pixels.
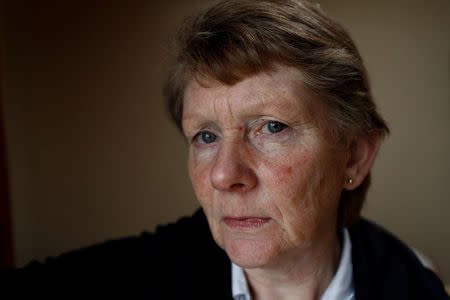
[{"x": 300, "y": 274}]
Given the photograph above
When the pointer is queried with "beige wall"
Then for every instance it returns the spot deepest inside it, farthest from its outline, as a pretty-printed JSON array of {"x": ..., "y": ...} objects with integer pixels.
[
  {"x": 93, "y": 156},
  {"x": 405, "y": 45}
]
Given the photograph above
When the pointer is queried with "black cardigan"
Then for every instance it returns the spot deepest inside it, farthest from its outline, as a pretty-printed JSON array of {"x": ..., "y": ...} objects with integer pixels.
[{"x": 182, "y": 261}]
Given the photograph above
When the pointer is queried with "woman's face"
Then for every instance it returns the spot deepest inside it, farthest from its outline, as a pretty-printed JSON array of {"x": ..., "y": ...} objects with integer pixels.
[{"x": 268, "y": 177}]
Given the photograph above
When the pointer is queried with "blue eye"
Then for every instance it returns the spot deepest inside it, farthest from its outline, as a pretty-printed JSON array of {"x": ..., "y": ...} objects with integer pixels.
[
  {"x": 274, "y": 127},
  {"x": 205, "y": 137}
]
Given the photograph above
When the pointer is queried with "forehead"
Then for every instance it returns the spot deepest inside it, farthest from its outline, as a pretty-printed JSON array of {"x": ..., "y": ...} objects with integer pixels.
[{"x": 278, "y": 91}]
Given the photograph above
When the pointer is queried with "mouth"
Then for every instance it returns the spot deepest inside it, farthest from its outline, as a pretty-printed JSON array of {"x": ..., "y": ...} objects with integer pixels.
[{"x": 245, "y": 222}]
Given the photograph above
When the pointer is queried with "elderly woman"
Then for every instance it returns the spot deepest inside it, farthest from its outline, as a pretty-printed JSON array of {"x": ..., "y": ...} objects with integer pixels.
[{"x": 274, "y": 102}]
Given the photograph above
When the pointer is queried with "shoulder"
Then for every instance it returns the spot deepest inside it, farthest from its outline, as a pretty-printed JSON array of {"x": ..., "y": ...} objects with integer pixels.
[
  {"x": 385, "y": 268},
  {"x": 166, "y": 263},
  {"x": 187, "y": 261}
]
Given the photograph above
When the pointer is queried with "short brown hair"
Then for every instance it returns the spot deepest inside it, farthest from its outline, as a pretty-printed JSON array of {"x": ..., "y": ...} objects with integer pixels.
[{"x": 234, "y": 39}]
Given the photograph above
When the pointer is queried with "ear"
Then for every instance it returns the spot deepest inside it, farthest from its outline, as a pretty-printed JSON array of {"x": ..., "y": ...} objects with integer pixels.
[{"x": 363, "y": 151}]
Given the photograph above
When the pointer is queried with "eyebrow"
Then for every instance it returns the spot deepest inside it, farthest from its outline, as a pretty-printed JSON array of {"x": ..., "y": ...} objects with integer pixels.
[
  {"x": 285, "y": 109},
  {"x": 266, "y": 103}
]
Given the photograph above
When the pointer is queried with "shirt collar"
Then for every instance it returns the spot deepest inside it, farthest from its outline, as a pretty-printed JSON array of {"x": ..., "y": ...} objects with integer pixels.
[
  {"x": 341, "y": 286},
  {"x": 239, "y": 284}
]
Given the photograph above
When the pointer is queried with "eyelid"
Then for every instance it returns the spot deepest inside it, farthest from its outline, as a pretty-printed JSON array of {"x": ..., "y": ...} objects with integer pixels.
[
  {"x": 263, "y": 121},
  {"x": 195, "y": 137},
  {"x": 255, "y": 127},
  {"x": 196, "y": 127},
  {"x": 284, "y": 126}
]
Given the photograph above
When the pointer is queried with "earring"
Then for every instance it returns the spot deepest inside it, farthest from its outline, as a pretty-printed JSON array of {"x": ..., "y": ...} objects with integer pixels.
[{"x": 350, "y": 180}]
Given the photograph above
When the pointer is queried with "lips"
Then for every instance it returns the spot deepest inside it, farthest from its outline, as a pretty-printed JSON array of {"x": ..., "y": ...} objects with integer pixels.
[{"x": 245, "y": 222}]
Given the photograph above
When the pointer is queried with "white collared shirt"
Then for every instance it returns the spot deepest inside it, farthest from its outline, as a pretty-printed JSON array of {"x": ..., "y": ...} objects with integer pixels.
[{"x": 340, "y": 288}]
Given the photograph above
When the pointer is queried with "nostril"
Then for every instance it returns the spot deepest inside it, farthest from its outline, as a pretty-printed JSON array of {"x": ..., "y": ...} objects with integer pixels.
[{"x": 238, "y": 186}]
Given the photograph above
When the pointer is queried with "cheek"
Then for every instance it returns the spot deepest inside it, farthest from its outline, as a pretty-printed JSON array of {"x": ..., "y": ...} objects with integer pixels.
[
  {"x": 294, "y": 189},
  {"x": 295, "y": 185},
  {"x": 286, "y": 174},
  {"x": 199, "y": 174}
]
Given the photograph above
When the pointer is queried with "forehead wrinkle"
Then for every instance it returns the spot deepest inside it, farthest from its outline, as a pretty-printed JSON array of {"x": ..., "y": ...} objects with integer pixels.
[
  {"x": 222, "y": 105},
  {"x": 279, "y": 103},
  {"x": 272, "y": 93},
  {"x": 289, "y": 92},
  {"x": 215, "y": 106},
  {"x": 229, "y": 100},
  {"x": 196, "y": 118}
]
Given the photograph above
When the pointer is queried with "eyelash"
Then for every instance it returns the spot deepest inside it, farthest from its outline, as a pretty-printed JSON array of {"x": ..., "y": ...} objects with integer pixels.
[
  {"x": 196, "y": 138},
  {"x": 199, "y": 135},
  {"x": 282, "y": 125}
]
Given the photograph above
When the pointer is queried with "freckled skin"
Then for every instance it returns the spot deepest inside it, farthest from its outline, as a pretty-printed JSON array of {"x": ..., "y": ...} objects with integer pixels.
[{"x": 294, "y": 177}]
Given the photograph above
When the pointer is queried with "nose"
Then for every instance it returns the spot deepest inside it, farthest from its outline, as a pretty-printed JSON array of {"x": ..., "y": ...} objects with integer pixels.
[{"x": 231, "y": 170}]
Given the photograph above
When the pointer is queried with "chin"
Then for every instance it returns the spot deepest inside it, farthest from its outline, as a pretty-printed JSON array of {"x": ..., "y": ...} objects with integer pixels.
[{"x": 250, "y": 253}]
